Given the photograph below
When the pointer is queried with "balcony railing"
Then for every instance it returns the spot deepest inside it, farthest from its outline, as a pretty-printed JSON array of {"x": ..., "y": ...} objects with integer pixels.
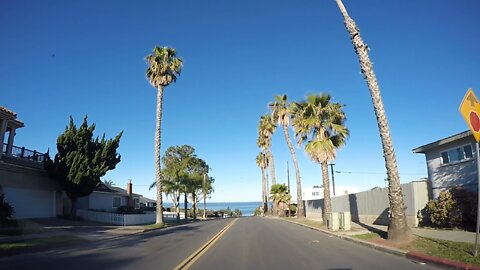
[{"x": 24, "y": 153}]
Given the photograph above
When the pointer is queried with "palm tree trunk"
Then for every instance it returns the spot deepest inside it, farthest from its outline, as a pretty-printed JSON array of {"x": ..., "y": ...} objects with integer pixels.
[
  {"x": 177, "y": 205},
  {"x": 327, "y": 202},
  {"x": 158, "y": 178},
  {"x": 300, "y": 210},
  {"x": 272, "y": 167},
  {"x": 264, "y": 191},
  {"x": 273, "y": 179},
  {"x": 204, "y": 205},
  {"x": 398, "y": 229},
  {"x": 185, "y": 203},
  {"x": 194, "y": 205}
]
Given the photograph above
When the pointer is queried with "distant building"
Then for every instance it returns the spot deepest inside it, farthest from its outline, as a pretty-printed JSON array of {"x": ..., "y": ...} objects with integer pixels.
[
  {"x": 316, "y": 192},
  {"x": 450, "y": 163}
]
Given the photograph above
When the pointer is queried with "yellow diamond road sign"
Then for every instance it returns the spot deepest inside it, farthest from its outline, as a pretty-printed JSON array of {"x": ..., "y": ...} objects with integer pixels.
[{"x": 470, "y": 110}]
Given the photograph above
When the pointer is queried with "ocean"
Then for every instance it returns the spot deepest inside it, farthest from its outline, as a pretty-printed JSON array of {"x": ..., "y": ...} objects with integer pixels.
[{"x": 247, "y": 208}]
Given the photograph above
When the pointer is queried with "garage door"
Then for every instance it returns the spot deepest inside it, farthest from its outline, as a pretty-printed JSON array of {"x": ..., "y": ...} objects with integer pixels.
[{"x": 30, "y": 203}]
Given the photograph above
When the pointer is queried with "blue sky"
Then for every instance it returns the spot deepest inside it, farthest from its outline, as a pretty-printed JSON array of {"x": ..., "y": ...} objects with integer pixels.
[{"x": 61, "y": 58}]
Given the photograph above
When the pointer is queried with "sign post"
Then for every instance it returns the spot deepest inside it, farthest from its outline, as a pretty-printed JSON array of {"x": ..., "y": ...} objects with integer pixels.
[{"x": 470, "y": 110}]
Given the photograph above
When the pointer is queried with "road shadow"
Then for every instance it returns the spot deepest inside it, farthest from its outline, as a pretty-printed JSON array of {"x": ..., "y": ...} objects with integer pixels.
[{"x": 383, "y": 234}]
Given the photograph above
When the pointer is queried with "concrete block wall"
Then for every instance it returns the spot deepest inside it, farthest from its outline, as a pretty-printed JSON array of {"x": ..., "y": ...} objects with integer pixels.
[{"x": 372, "y": 206}]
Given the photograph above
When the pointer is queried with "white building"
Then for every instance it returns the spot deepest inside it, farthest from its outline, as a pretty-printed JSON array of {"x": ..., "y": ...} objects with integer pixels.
[{"x": 316, "y": 193}]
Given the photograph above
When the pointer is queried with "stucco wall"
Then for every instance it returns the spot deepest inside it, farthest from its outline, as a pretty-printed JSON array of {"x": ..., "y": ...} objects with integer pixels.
[
  {"x": 460, "y": 174},
  {"x": 371, "y": 207},
  {"x": 101, "y": 201},
  {"x": 30, "y": 191}
]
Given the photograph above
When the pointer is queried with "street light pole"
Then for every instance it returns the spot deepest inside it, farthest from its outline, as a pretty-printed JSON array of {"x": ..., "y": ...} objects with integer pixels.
[
  {"x": 478, "y": 200},
  {"x": 333, "y": 177}
]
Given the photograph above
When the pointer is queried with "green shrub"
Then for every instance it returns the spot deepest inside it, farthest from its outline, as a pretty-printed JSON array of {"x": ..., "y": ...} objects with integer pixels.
[
  {"x": 128, "y": 210},
  {"x": 258, "y": 211},
  {"x": 454, "y": 208},
  {"x": 6, "y": 210}
]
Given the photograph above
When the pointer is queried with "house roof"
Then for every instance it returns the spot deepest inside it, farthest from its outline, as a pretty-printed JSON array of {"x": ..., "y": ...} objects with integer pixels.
[
  {"x": 147, "y": 200},
  {"x": 11, "y": 117},
  {"x": 116, "y": 190},
  {"x": 7, "y": 111},
  {"x": 452, "y": 138}
]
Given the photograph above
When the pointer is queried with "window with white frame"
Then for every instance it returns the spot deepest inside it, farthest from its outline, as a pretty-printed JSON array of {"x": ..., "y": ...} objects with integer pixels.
[
  {"x": 457, "y": 154},
  {"x": 315, "y": 193},
  {"x": 117, "y": 201}
]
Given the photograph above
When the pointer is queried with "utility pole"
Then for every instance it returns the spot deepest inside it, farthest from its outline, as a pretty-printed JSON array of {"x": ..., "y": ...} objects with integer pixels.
[
  {"x": 333, "y": 177},
  {"x": 288, "y": 178}
]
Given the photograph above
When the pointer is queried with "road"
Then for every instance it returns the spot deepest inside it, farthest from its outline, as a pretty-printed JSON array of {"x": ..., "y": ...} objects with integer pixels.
[{"x": 249, "y": 243}]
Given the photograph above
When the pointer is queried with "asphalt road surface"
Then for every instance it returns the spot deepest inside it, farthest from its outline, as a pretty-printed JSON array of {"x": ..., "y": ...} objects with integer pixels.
[
  {"x": 260, "y": 243},
  {"x": 250, "y": 243}
]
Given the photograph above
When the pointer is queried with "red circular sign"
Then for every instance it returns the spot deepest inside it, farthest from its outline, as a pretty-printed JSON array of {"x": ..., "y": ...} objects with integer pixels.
[{"x": 474, "y": 121}]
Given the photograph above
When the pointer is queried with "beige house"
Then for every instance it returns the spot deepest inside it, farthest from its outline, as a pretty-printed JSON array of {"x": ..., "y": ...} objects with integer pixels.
[{"x": 23, "y": 179}]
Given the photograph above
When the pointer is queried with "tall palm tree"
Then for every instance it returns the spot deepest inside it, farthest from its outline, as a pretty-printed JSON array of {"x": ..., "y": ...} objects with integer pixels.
[
  {"x": 398, "y": 229},
  {"x": 322, "y": 123},
  {"x": 262, "y": 162},
  {"x": 280, "y": 114},
  {"x": 163, "y": 69},
  {"x": 266, "y": 128}
]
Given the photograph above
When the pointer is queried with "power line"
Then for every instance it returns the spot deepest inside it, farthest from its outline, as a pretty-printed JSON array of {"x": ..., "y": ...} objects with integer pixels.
[{"x": 379, "y": 173}]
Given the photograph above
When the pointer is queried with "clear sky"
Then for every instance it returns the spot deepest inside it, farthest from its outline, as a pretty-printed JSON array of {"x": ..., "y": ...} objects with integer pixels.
[{"x": 61, "y": 58}]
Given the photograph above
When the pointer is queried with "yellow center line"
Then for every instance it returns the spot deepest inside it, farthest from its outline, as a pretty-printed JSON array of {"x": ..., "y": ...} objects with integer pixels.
[{"x": 188, "y": 262}]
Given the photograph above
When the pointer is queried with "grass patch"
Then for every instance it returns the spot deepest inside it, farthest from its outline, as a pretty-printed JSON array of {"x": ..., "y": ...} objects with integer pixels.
[
  {"x": 309, "y": 222},
  {"x": 456, "y": 251},
  {"x": 36, "y": 242},
  {"x": 367, "y": 236},
  {"x": 19, "y": 227},
  {"x": 154, "y": 226}
]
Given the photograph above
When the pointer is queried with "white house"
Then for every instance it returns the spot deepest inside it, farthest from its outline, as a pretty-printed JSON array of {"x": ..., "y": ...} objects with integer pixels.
[
  {"x": 451, "y": 162},
  {"x": 109, "y": 198}
]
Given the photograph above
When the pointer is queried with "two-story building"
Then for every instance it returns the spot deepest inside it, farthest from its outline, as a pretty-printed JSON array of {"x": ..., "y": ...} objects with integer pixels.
[
  {"x": 23, "y": 180},
  {"x": 450, "y": 163}
]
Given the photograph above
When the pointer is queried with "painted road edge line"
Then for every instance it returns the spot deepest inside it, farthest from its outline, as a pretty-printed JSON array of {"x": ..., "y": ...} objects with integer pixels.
[{"x": 188, "y": 262}]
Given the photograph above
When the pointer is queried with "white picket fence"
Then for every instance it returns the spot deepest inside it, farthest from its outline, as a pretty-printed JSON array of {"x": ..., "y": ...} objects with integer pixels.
[{"x": 117, "y": 219}]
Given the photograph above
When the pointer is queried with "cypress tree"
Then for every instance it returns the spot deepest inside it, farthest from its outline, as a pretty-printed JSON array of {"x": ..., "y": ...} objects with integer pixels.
[{"x": 81, "y": 160}]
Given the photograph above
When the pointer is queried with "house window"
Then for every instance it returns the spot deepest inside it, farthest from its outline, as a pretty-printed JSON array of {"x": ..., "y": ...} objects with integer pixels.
[
  {"x": 137, "y": 203},
  {"x": 117, "y": 201},
  {"x": 315, "y": 193},
  {"x": 457, "y": 154}
]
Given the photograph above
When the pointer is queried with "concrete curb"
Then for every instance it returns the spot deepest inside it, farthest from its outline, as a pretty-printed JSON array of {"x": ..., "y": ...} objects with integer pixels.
[{"x": 412, "y": 255}]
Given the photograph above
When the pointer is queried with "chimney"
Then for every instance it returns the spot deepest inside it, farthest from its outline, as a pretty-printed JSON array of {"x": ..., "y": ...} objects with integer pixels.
[
  {"x": 129, "y": 188},
  {"x": 129, "y": 192}
]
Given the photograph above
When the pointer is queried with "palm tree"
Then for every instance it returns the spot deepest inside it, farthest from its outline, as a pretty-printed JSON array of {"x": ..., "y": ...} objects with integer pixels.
[
  {"x": 163, "y": 69},
  {"x": 321, "y": 122},
  {"x": 262, "y": 162},
  {"x": 398, "y": 229},
  {"x": 266, "y": 128},
  {"x": 108, "y": 182},
  {"x": 280, "y": 197},
  {"x": 280, "y": 114},
  {"x": 207, "y": 189}
]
